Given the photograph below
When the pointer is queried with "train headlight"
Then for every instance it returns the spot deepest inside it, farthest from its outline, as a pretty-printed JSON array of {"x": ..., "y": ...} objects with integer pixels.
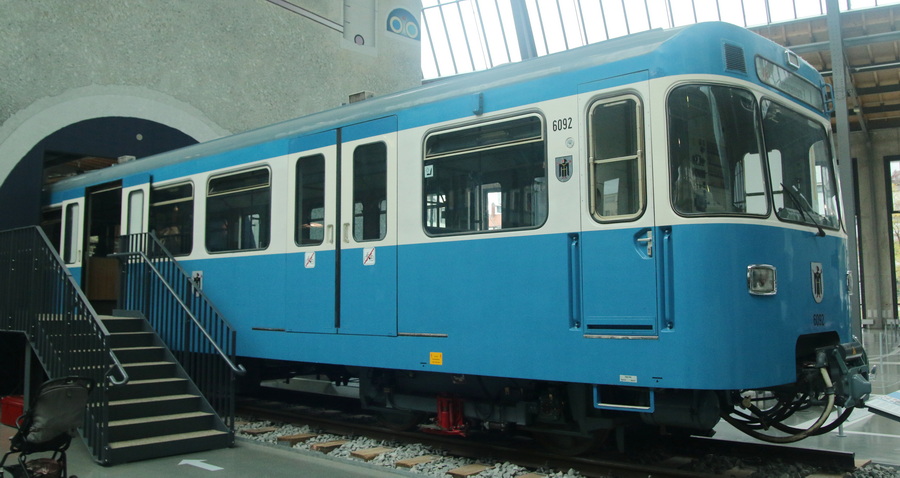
[{"x": 761, "y": 280}]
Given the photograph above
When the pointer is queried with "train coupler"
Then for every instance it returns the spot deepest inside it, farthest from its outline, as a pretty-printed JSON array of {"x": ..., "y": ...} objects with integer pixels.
[{"x": 848, "y": 367}]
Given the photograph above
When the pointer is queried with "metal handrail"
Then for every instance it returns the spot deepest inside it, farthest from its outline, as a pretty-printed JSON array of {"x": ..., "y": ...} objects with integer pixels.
[
  {"x": 236, "y": 368},
  {"x": 117, "y": 365},
  {"x": 93, "y": 313},
  {"x": 46, "y": 303},
  {"x": 81, "y": 299},
  {"x": 155, "y": 285}
]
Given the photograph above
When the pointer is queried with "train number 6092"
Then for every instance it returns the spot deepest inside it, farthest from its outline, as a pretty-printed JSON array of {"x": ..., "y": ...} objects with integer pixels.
[{"x": 562, "y": 124}]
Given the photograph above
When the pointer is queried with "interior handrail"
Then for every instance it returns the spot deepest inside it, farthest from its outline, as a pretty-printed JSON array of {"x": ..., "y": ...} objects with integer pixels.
[{"x": 236, "y": 368}]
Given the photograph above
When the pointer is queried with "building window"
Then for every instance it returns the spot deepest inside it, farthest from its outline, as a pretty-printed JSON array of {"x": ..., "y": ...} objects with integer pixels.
[
  {"x": 893, "y": 172},
  {"x": 491, "y": 177},
  {"x": 238, "y": 211}
]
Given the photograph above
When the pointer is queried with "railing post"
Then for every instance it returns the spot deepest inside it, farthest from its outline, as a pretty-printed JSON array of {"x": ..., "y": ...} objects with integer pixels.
[
  {"x": 147, "y": 291},
  {"x": 26, "y": 393},
  {"x": 186, "y": 320},
  {"x": 123, "y": 274}
]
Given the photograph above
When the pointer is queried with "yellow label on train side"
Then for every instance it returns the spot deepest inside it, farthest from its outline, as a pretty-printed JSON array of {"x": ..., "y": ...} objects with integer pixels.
[{"x": 436, "y": 358}]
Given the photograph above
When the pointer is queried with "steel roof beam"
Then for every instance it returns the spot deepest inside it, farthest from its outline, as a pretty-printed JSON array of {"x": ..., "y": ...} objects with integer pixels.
[{"x": 864, "y": 40}]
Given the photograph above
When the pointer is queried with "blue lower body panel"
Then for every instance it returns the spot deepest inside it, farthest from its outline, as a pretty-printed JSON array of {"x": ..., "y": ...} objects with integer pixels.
[{"x": 504, "y": 307}]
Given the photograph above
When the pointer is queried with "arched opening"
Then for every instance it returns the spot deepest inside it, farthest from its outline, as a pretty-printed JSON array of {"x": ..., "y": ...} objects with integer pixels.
[{"x": 75, "y": 149}]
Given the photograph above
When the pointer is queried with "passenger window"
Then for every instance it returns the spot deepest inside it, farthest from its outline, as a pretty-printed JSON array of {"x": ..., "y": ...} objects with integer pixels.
[
  {"x": 135, "y": 211},
  {"x": 310, "y": 201},
  {"x": 370, "y": 192},
  {"x": 491, "y": 177},
  {"x": 801, "y": 167},
  {"x": 617, "y": 163},
  {"x": 172, "y": 217},
  {"x": 238, "y": 211},
  {"x": 714, "y": 151}
]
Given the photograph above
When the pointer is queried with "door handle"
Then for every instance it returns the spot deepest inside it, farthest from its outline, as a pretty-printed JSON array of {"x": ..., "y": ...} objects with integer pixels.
[
  {"x": 347, "y": 232},
  {"x": 329, "y": 233},
  {"x": 647, "y": 240}
]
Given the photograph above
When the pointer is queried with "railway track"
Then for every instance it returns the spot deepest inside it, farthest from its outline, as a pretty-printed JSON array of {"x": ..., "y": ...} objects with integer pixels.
[{"x": 657, "y": 457}]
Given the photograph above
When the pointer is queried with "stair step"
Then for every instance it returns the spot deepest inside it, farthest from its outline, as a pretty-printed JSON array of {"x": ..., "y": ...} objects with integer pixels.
[
  {"x": 144, "y": 353},
  {"x": 166, "y": 445},
  {"x": 131, "y": 339},
  {"x": 149, "y": 370},
  {"x": 152, "y": 406},
  {"x": 156, "y": 381},
  {"x": 137, "y": 348},
  {"x": 136, "y": 389},
  {"x": 163, "y": 398},
  {"x": 158, "y": 418},
  {"x": 146, "y": 427},
  {"x": 122, "y": 324},
  {"x": 166, "y": 439}
]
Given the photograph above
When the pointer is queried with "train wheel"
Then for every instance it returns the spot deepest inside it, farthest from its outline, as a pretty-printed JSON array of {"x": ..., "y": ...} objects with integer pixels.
[
  {"x": 400, "y": 421},
  {"x": 571, "y": 445}
]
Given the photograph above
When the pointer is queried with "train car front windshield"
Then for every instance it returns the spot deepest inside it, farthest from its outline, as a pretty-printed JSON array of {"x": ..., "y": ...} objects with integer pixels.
[{"x": 716, "y": 135}]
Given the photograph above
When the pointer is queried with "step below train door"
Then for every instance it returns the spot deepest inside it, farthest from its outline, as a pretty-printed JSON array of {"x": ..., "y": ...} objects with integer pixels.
[
  {"x": 619, "y": 241},
  {"x": 367, "y": 303}
]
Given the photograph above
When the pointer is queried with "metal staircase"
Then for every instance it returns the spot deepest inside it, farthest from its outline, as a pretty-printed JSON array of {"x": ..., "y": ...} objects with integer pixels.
[
  {"x": 159, "y": 411},
  {"x": 147, "y": 403}
]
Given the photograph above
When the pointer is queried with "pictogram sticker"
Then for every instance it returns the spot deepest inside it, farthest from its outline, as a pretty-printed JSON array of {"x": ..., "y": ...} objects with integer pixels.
[
  {"x": 436, "y": 358},
  {"x": 309, "y": 260},
  {"x": 368, "y": 256}
]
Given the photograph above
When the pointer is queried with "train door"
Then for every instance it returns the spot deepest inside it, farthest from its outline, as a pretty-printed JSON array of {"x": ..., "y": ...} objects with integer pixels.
[
  {"x": 312, "y": 273},
  {"x": 100, "y": 272},
  {"x": 367, "y": 245},
  {"x": 620, "y": 245}
]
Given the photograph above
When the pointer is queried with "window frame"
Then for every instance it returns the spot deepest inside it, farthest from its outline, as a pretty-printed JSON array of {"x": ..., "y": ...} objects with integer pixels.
[
  {"x": 358, "y": 220},
  {"x": 764, "y": 161},
  {"x": 192, "y": 199},
  {"x": 298, "y": 188},
  {"x": 834, "y": 169},
  {"x": 787, "y": 82},
  {"x": 640, "y": 156},
  {"x": 268, "y": 186},
  {"x": 134, "y": 206},
  {"x": 542, "y": 139},
  {"x": 71, "y": 232}
]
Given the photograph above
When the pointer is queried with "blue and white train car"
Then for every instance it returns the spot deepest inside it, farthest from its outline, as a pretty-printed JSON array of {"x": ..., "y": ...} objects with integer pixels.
[{"x": 644, "y": 229}]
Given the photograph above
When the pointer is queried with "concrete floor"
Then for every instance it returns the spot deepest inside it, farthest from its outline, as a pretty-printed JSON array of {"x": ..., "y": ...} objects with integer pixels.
[{"x": 246, "y": 460}]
